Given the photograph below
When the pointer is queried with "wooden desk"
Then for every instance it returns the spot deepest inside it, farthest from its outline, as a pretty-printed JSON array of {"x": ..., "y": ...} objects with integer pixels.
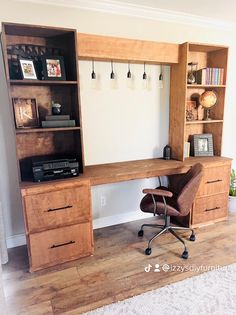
[
  {"x": 55, "y": 236},
  {"x": 123, "y": 171}
]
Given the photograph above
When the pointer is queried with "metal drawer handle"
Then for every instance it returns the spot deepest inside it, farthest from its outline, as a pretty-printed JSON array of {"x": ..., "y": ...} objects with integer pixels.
[
  {"x": 216, "y": 208},
  {"x": 62, "y": 208},
  {"x": 62, "y": 244},
  {"x": 214, "y": 181}
]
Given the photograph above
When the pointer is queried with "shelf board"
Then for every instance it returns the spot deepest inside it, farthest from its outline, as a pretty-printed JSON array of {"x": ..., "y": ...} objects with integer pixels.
[
  {"x": 203, "y": 121},
  {"x": 30, "y": 130},
  {"x": 41, "y": 82},
  {"x": 199, "y": 86}
]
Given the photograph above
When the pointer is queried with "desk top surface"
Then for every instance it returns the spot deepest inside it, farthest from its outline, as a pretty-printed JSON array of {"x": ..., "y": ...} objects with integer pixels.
[
  {"x": 123, "y": 171},
  {"x": 131, "y": 170}
]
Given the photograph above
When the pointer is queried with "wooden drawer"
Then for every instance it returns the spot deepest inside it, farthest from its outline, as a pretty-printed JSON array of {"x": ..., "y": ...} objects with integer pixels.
[
  {"x": 215, "y": 180},
  {"x": 210, "y": 208},
  {"x": 59, "y": 245},
  {"x": 57, "y": 208}
]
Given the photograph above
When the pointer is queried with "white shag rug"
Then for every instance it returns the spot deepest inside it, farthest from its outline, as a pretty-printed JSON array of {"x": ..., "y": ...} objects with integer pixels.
[{"x": 212, "y": 292}]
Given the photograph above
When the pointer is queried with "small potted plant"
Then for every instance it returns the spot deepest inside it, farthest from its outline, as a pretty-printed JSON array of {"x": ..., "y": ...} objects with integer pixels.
[{"x": 232, "y": 192}]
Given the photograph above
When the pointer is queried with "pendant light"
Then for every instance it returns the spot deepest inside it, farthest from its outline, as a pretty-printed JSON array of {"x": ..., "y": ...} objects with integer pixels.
[
  {"x": 112, "y": 76},
  {"x": 144, "y": 73},
  {"x": 93, "y": 74},
  {"x": 160, "y": 80},
  {"x": 129, "y": 75}
]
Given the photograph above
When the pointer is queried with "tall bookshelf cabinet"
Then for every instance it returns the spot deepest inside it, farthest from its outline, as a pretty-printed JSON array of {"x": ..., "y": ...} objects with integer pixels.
[
  {"x": 57, "y": 216},
  {"x": 180, "y": 130},
  {"x": 211, "y": 203}
]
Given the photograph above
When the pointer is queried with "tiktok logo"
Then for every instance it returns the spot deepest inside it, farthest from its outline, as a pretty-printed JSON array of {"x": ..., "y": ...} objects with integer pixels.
[{"x": 148, "y": 268}]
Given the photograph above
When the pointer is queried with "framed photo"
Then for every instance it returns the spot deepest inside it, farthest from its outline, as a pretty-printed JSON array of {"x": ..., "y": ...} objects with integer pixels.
[
  {"x": 202, "y": 145},
  {"x": 191, "y": 111},
  {"x": 26, "y": 112},
  {"x": 53, "y": 68},
  {"x": 27, "y": 69}
]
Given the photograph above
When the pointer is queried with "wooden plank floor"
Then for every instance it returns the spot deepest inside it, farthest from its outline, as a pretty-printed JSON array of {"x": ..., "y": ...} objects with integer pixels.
[{"x": 115, "y": 272}]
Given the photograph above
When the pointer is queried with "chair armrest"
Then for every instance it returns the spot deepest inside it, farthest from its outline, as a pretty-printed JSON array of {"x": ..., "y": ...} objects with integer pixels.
[{"x": 158, "y": 192}]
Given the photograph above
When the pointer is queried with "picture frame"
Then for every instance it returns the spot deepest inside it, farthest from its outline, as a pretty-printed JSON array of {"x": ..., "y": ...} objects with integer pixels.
[
  {"x": 28, "y": 69},
  {"x": 191, "y": 111},
  {"x": 53, "y": 68},
  {"x": 26, "y": 113},
  {"x": 202, "y": 145}
]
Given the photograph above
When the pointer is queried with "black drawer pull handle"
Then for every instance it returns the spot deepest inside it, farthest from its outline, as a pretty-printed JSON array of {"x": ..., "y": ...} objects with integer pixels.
[
  {"x": 62, "y": 244},
  {"x": 56, "y": 209},
  {"x": 212, "y": 209},
  {"x": 214, "y": 181}
]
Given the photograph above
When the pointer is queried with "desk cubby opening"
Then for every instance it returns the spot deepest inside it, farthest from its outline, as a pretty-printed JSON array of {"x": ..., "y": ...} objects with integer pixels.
[{"x": 62, "y": 143}]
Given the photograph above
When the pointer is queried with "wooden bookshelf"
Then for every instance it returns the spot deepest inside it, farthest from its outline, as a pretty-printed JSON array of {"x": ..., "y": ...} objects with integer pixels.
[
  {"x": 180, "y": 130},
  {"x": 48, "y": 230}
]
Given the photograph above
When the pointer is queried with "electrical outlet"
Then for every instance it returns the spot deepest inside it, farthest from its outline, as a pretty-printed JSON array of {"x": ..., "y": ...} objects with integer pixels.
[{"x": 103, "y": 201}]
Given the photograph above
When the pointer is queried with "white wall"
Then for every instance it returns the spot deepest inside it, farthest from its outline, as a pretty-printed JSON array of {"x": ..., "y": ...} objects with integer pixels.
[
  {"x": 120, "y": 117},
  {"x": 119, "y": 110}
]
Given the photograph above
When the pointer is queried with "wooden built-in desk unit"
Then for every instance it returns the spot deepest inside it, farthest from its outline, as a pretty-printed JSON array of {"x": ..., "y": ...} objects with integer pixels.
[
  {"x": 58, "y": 217},
  {"x": 59, "y": 214}
]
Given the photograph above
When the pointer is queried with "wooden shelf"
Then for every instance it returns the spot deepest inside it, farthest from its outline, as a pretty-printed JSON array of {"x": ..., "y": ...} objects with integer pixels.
[
  {"x": 30, "y": 130},
  {"x": 204, "y": 121},
  {"x": 41, "y": 82},
  {"x": 197, "y": 86}
]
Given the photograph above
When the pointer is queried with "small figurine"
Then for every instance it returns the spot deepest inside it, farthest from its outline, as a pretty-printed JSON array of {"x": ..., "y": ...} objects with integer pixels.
[{"x": 56, "y": 108}]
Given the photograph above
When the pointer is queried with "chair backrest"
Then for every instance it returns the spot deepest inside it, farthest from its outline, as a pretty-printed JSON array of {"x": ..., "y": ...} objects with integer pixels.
[{"x": 186, "y": 187}]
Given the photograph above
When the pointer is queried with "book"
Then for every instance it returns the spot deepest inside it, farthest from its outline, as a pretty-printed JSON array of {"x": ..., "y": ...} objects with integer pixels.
[
  {"x": 210, "y": 76},
  {"x": 201, "y": 76},
  {"x": 186, "y": 149},
  {"x": 217, "y": 75},
  {"x": 207, "y": 76},
  {"x": 221, "y": 76},
  {"x": 213, "y": 77},
  {"x": 57, "y": 117},
  {"x": 58, "y": 123}
]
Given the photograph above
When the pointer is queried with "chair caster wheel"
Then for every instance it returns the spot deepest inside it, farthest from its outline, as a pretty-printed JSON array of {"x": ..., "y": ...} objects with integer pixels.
[
  {"x": 192, "y": 237},
  {"x": 185, "y": 254},
  {"x": 148, "y": 251},
  {"x": 140, "y": 233}
]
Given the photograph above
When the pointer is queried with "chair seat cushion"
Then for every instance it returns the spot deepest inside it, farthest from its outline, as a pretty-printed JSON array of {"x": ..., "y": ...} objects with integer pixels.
[{"x": 146, "y": 204}]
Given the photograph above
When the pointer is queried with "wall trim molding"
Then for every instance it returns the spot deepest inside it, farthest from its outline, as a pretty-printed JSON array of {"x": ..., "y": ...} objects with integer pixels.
[
  {"x": 16, "y": 240},
  {"x": 119, "y": 218},
  {"x": 140, "y": 11}
]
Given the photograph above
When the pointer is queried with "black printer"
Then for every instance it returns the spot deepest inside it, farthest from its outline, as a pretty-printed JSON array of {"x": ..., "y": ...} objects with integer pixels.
[{"x": 54, "y": 167}]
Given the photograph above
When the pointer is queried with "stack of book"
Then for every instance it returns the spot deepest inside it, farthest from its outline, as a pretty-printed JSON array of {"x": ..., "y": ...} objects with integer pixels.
[
  {"x": 210, "y": 76},
  {"x": 54, "y": 121}
]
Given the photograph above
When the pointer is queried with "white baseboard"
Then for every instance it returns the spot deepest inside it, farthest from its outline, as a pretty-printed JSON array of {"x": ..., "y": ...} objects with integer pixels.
[
  {"x": 119, "y": 218},
  {"x": 20, "y": 239},
  {"x": 16, "y": 240}
]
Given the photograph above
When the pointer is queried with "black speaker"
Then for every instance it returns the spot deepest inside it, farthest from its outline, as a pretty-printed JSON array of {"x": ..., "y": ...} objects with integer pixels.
[{"x": 167, "y": 152}]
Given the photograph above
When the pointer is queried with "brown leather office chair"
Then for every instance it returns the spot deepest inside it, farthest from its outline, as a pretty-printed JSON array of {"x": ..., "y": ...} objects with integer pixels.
[{"x": 176, "y": 200}]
